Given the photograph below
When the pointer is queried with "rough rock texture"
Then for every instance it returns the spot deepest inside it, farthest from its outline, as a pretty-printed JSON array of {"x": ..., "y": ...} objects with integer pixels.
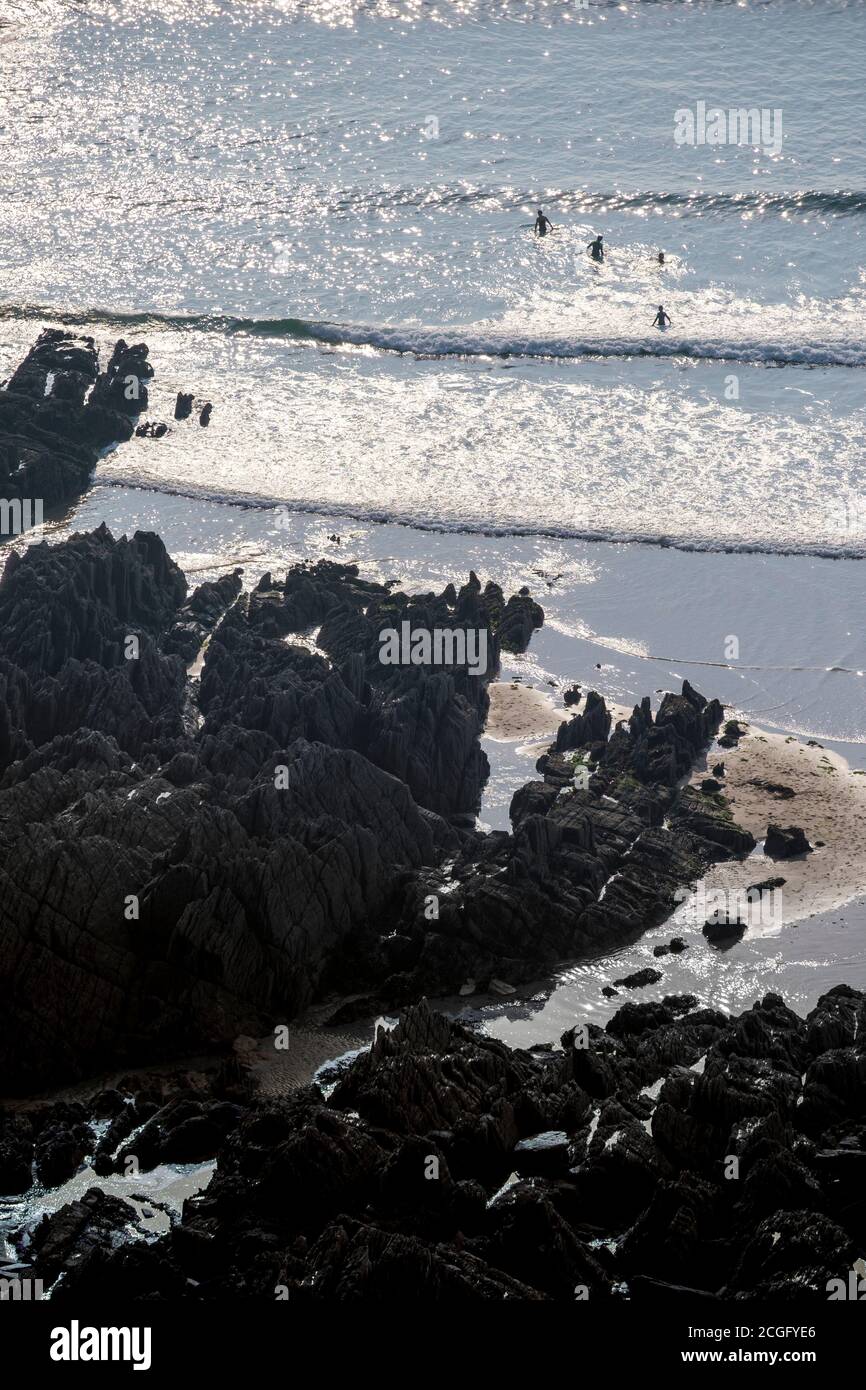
[
  {"x": 445, "y": 1165},
  {"x": 786, "y": 842},
  {"x": 58, "y": 411},
  {"x": 190, "y": 857},
  {"x": 186, "y": 860}
]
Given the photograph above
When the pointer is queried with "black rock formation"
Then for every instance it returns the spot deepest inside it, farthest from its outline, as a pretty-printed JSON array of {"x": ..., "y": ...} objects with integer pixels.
[
  {"x": 445, "y": 1165},
  {"x": 57, "y": 413},
  {"x": 193, "y": 854},
  {"x": 786, "y": 843}
]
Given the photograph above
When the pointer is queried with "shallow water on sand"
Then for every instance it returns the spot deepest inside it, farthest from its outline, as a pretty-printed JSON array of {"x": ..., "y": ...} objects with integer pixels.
[
  {"x": 799, "y": 962},
  {"x": 156, "y": 1197},
  {"x": 628, "y": 620}
]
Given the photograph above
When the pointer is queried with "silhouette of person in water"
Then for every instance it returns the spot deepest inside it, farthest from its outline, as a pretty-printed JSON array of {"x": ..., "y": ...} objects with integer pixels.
[
  {"x": 596, "y": 248},
  {"x": 543, "y": 224},
  {"x": 661, "y": 257},
  {"x": 661, "y": 318}
]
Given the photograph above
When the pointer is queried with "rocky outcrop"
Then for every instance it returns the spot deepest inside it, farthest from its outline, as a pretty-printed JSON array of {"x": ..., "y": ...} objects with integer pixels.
[
  {"x": 445, "y": 1165},
  {"x": 206, "y": 826},
  {"x": 786, "y": 842},
  {"x": 187, "y": 858},
  {"x": 611, "y": 814},
  {"x": 57, "y": 413}
]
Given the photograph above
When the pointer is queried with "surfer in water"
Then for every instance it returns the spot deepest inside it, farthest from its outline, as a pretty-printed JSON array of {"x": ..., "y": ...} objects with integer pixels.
[
  {"x": 661, "y": 257},
  {"x": 543, "y": 224},
  {"x": 596, "y": 248},
  {"x": 661, "y": 318}
]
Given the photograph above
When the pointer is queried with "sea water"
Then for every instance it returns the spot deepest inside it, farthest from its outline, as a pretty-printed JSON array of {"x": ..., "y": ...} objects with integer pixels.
[{"x": 319, "y": 217}]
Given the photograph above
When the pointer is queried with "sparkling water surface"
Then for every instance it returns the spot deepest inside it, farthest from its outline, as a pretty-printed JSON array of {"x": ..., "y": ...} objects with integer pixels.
[{"x": 319, "y": 217}]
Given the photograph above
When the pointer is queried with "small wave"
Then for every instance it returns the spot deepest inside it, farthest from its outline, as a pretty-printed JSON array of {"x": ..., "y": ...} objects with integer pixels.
[
  {"x": 441, "y": 343},
  {"x": 123, "y": 319},
  {"x": 435, "y": 343},
  {"x": 837, "y": 202},
  {"x": 478, "y": 526},
  {"x": 829, "y": 202}
]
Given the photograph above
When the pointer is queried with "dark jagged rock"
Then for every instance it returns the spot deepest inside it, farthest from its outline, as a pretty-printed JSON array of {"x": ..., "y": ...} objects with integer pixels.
[
  {"x": 520, "y": 617},
  {"x": 82, "y": 1232},
  {"x": 544, "y": 1154},
  {"x": 533, "y": 799},
  {"x": 122, "y": 386},
  {"x": 60, "y": 1151},
  {"x": 200, "y": 615},
  {"x": 733, "y": 732},
  {"x": 188, "y": 857},
  {"x": 446, "y": 1166},
  {"x": 721, "y": 929},
  {"x": 786, "y": 843},
  {"x": 708, "y": 817},
  {"x": 592, "y": 726},
  {"x": 58, "y": 412},
  {"x": 184, "y": 862},
  {"x": 777, "y": 790},
  {"x": 638, "y": 979},
  {"x": 767, "y": 885},
  {"x": 607, "y": 833}
]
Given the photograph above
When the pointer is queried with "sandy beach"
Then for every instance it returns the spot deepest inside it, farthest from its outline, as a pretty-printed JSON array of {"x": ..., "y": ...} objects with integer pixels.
[
  {"x": 828, "y": 803},
  {"x": 520, "y": 712}
]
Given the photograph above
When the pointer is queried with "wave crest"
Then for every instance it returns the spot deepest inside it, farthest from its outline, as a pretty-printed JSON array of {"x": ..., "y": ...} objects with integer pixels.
[{"x": 466, "y": 342}]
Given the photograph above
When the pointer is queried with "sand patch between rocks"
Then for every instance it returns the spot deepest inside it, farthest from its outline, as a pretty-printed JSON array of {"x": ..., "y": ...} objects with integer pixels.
[
  {"x": 524, "y": 714},
  {"x": 278, "y": 1072},
  {"x": 520, "y": 712},
  {"x": 829, "y": 804}
]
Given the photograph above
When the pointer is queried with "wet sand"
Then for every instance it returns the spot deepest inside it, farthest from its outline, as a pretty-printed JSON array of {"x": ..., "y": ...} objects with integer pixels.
[
  {"x": 311, "y": 1043},
  {"x": 829, "y": 804},
  {"x": 520, "y": 712}
]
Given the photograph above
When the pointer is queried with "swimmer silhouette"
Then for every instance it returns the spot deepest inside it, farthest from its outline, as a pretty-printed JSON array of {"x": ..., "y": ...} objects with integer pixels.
[
  {"x": 596, "y": 248},
  {"x": 661, "y": 318},
  {"x": 543, "y": 224}
]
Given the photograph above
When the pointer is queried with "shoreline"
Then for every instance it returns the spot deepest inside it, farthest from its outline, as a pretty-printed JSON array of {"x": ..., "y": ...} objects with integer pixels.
[
  {"x": 809, "y": 786},
  {"x": 315, "y": 1045},
  {"x": 432, "y": 675},
  {"x": 519, "y": 741},
  {"x": 244, "y": 770},
  {"x": 602, "y": 576},
  {"x": 422, "y": 839},
  {"x": 486, "y": 530}
]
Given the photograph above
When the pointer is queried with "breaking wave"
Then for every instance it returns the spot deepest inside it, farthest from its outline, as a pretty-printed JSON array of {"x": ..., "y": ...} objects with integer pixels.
[
  {"x": 464, "y": 342},
  {"x": 124, "y": 477}
]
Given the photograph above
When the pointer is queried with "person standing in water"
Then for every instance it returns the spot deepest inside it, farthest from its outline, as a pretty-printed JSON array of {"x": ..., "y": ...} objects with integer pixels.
[
  {"x": 661, "y": 318},
  {"x": 543, "y": 224},
  {"x": 596, "y": 248},
  {"x": 661, "y": 257}
]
